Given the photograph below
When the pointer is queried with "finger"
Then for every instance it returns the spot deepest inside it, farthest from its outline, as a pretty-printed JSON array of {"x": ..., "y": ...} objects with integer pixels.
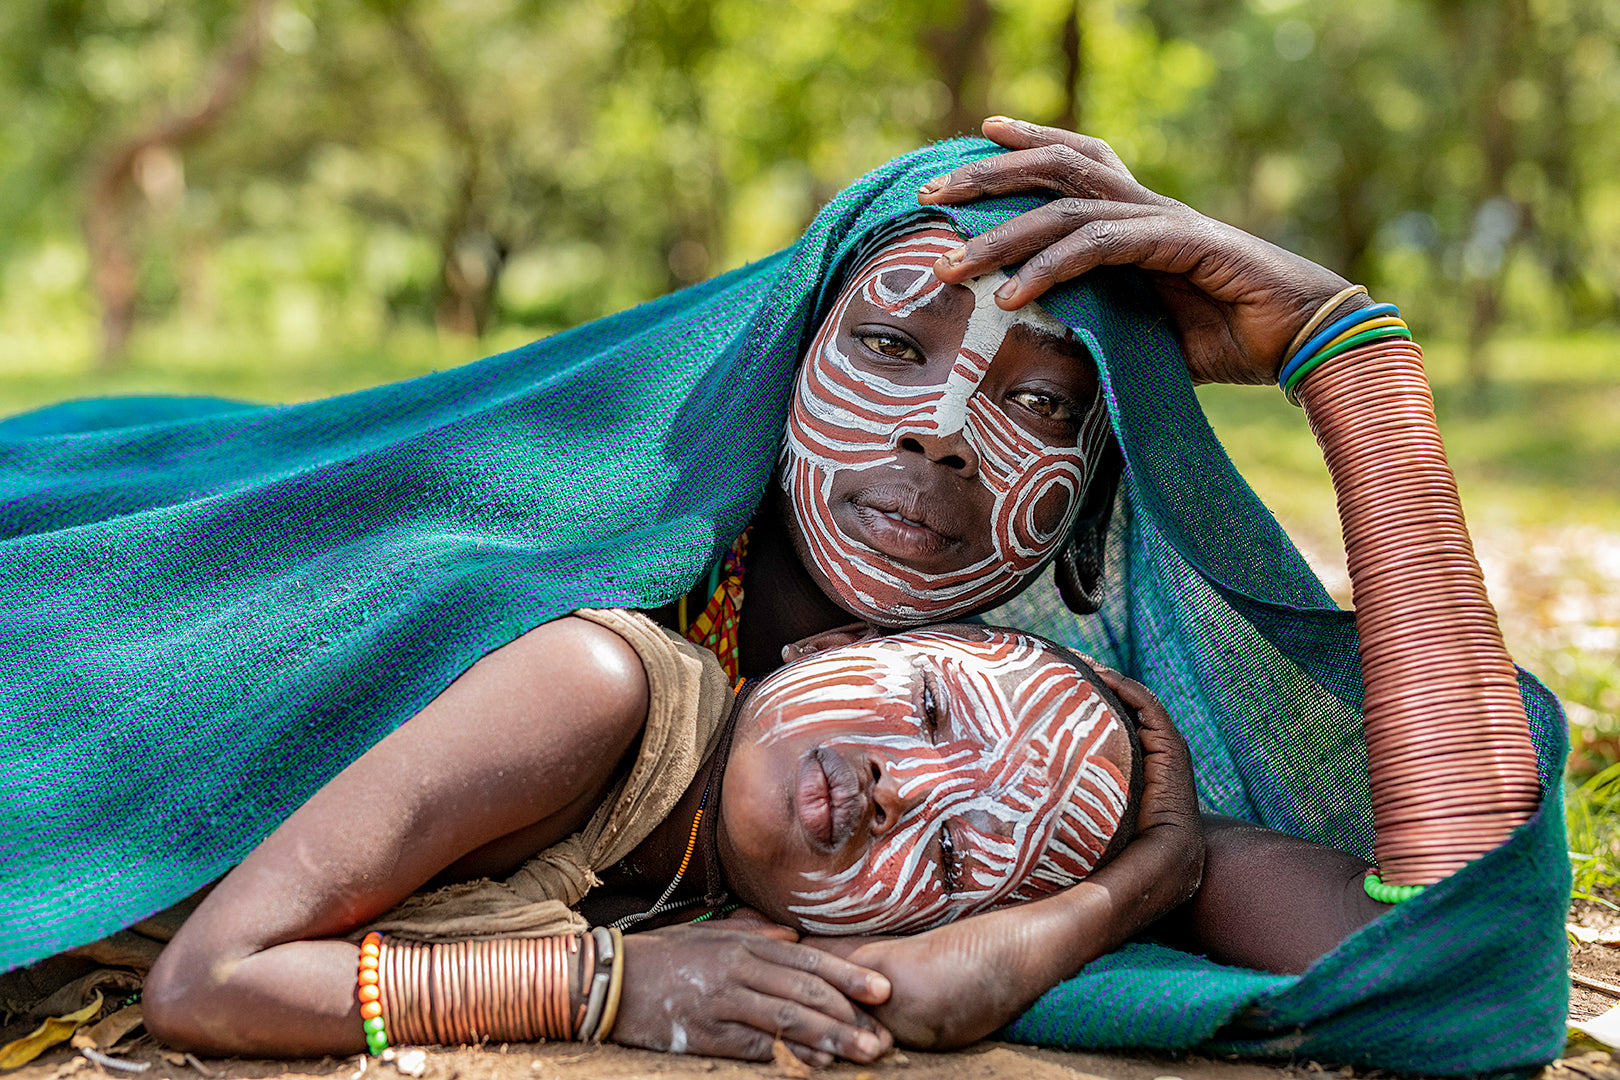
[
  {"x": 818, "y": 1058},
  {"x": 751, "y": 1044},
  {"x": 1035, "y": 230},
  {"x": 852, "y": 980},
  {"x": 1021, "y": 135},
  {"x": 790, "y": 984},
  {"x": 1056, "y": 167},
  {"x": 1124, "y": 241},
  {"x": 790, "y": 1020}
]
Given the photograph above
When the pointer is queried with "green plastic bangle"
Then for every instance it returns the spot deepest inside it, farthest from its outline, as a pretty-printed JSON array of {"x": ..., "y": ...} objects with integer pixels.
[
  {"x": 1389, "y": 894},
  {"x": 1382, "y": 333}
]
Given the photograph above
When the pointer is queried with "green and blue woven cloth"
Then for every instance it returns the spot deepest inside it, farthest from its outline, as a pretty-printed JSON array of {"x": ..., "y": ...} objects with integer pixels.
[{"x": 208, "y": 608}]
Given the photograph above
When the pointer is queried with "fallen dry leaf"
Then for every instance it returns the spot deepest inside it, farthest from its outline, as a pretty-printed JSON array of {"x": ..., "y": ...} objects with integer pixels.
[
  {"x": 54, "y": 1030},
  {"x": 171, "y": 1057},
  {"x": 787, "y": 1063},
  {"x": 108, "y": 1030},
  {"x": 1590, "y": 935},
  {"x": 72, "y": 1066}
]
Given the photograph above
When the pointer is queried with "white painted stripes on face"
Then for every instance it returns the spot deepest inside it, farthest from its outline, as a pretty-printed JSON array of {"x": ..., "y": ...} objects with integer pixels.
[
  {"x": 845, "y": 418},
  {"x": 1015, "y": 773}
]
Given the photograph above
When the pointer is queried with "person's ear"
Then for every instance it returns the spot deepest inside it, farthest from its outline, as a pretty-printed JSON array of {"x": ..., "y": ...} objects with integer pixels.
[
  {"x": 1082, "y": 561},
  {"x": 830, "y": 639}
]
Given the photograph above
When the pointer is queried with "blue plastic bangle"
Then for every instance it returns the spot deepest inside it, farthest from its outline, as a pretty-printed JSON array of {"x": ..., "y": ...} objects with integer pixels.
[
  {"x": 1290, "y": 389},
  {"x": 1331, "y": 331}
]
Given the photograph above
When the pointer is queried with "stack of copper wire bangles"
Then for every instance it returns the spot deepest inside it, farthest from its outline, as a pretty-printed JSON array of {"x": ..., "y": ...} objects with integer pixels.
[
  {"x": 1450, "y": 762},
  {"x": 498, "y": 989}
]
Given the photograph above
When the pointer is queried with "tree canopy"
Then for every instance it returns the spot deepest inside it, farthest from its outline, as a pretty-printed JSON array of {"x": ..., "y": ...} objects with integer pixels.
[{"x": 309, "y": 170}]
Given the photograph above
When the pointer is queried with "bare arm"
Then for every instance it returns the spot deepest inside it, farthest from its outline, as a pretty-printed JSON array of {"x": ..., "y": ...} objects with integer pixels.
[
  {"x": 1270, "y": 900},
  {"x": 511, "y": 758},
  {"x": 257, "y": 968}
]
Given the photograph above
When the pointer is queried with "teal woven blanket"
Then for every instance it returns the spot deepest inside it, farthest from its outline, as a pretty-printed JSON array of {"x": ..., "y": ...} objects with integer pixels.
[{"x": 208, "y": 608}]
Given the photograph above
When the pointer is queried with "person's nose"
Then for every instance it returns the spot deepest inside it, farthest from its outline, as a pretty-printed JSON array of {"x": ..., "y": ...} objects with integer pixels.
[
  {"x": 889, "y": 804},
  {"x": 952, "y": 451}
]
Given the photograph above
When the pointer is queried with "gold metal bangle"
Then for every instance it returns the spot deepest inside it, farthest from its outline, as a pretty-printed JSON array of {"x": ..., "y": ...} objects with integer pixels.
[{"x": 1318, "y": 319}]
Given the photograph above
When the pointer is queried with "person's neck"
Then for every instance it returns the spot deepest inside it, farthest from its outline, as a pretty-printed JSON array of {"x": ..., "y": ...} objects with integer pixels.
[
  {"x": 784, "y": 604},
  {"x": 655, "y": 861}
]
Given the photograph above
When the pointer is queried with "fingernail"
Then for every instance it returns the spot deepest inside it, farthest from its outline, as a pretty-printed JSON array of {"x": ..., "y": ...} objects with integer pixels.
[
  {"x": 932, "y": 186},
  {"x": 954, "y": 258},
  {"x": 868, "y": 1043},
  {"x": 878, "y": 984},
  {"x": 998, "y": 119},
  {"x": 1007, "y": 290}
]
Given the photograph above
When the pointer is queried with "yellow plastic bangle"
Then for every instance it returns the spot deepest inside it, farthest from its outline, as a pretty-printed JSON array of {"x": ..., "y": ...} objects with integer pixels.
[{"x": 1370, "y": 324}]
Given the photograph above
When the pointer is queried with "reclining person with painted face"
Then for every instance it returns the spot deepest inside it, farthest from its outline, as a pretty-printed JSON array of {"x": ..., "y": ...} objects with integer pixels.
[{"x": 881, "y": 787}]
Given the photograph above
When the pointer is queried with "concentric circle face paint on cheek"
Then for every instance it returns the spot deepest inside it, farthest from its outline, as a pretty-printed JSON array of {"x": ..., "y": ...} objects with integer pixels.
[
  {"x": 1008, "y": 798},
  {"x": 847, "y": 419}
]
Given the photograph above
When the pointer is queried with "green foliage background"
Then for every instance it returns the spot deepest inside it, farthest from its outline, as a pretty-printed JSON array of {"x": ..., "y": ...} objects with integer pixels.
[{"x": 402, "y": 185}]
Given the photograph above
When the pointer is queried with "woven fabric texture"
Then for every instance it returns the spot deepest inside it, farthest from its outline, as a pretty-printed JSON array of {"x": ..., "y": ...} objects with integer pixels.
[{"x": 208, "y": 608}]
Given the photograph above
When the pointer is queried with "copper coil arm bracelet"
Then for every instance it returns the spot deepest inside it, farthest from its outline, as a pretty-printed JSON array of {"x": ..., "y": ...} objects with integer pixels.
[
  {"x": 488, "y": 990},
  {"x": 1451, "y": 779}
]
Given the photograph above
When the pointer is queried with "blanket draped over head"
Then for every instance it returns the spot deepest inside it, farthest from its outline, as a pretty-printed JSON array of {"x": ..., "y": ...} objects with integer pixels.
[{"x": 208, "y": 608}]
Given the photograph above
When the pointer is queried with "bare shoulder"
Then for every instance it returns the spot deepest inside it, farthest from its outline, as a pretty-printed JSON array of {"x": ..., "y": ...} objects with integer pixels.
[{"x": 571, "y": 668}]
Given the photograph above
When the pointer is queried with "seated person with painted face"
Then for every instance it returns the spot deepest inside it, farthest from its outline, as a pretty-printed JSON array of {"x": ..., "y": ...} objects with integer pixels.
[{"x": 885, "y": 786}]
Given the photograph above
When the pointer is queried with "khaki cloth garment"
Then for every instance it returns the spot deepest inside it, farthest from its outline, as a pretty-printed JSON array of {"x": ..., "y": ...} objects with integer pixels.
[{"x": 688, "y": 698}]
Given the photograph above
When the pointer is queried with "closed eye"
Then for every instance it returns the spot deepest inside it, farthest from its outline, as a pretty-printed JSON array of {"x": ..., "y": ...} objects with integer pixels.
[
  {"x": 949, "y": 868},
  {"x": 930, "y": 707},
  {"x": 890, "y": 345}
]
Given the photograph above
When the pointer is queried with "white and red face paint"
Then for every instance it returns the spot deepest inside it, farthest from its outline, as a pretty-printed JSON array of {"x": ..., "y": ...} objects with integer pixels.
[
  {"x": 847, "y": 419},
  {"x": 1014, "y": 773}
]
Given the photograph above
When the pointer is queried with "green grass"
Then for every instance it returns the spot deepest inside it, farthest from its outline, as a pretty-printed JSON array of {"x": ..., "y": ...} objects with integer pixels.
[{"x": 1593, "y": 815}]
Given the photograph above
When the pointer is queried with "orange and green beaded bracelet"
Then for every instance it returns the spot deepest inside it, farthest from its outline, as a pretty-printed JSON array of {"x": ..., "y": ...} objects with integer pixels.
[{"x": 370, "y": 991}]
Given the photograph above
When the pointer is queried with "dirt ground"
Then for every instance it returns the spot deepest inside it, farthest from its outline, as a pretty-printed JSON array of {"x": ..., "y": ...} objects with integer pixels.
[{"x": 1595, "y": 961}]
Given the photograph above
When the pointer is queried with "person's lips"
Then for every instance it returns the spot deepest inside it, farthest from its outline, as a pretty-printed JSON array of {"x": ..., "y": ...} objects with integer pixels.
[
  {"x": 829, "y": 802},
  {"x": 900, "y": 523}
]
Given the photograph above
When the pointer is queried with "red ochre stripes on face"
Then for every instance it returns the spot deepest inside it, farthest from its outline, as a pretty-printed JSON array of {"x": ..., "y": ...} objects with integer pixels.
[
  {"x": 1015, "y": 772},
  {"x": 844, "y": 418}
]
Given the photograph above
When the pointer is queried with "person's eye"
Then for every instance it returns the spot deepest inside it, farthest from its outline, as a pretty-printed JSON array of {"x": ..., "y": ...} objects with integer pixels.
[
  {"x": 949, "y": 869},
  {"x": 891, "y": 345},
  {"x": 1047, "y": 406},
  {"x": 930, "y": 707}
]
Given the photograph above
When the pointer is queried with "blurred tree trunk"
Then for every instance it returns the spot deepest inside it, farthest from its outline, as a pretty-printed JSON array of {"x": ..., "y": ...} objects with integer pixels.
[
  {"x": 470, "y": 259},
  {"x": 114, "y": 270},
  {"x": 1073, "y": 45},
  {"x": 959, "y": 53},
  {"x": 1492, "y": 40}
]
